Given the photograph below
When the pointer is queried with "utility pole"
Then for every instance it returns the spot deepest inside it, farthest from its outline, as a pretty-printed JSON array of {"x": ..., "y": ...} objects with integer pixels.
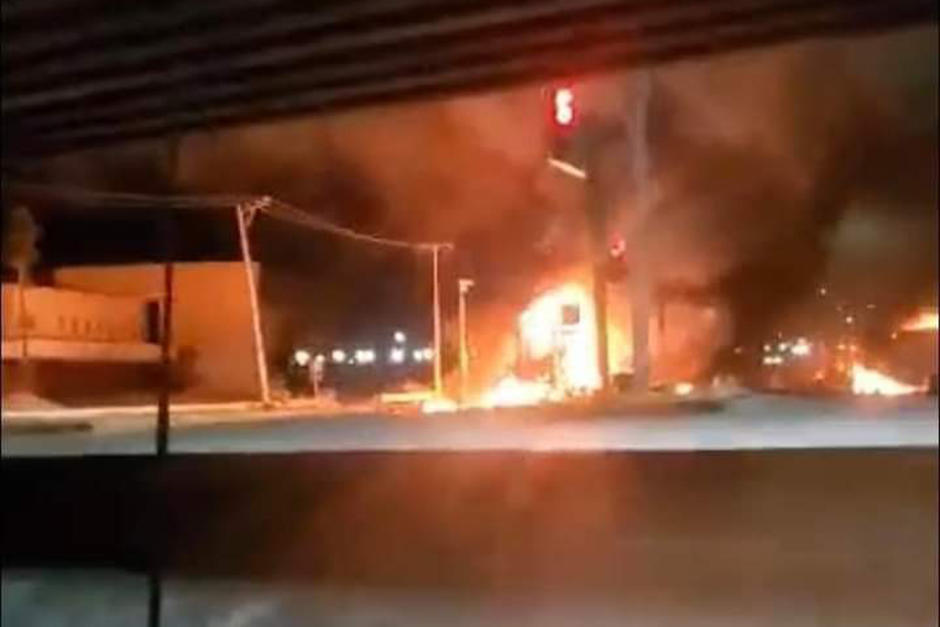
[
  {"x": 166, "y": 339},
  {"x": 155, "y": 577},
  {"x": 245, "y": 213},
  {"x": 169, "y": 227},
  {"x": 463, "y": 286},
  {"x": 438, "y": 376}
]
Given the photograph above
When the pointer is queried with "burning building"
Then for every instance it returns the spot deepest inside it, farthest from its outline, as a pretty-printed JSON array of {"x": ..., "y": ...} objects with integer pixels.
[{"x": 546, "y": 349}]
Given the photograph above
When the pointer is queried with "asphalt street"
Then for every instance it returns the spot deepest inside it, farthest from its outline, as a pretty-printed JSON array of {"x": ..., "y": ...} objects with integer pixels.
[
  {"x": 749, "y": 423},
  {"x": 772, "y": 511}
]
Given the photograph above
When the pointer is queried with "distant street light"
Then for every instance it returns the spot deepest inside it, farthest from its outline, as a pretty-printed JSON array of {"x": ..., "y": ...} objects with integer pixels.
[
  {"x": 396, "y": 355},
  {"x": 399, "y": 337},
  {"x": 339, "y": 356},
  {"x": 365, "y": 356},
  {"x": 302, "y": 357}
]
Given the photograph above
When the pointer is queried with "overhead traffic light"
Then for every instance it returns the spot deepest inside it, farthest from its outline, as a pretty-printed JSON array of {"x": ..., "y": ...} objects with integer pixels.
[
  {"x": 563, "y": 106},
  {"x": 565, "y": 135}
]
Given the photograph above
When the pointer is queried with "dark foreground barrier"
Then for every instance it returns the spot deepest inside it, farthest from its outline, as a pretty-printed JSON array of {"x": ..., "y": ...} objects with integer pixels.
[{"x": 821, "y": 524}]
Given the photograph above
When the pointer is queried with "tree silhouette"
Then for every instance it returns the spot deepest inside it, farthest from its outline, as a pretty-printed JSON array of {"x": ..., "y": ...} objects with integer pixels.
[{"x": 20, "y": 253}]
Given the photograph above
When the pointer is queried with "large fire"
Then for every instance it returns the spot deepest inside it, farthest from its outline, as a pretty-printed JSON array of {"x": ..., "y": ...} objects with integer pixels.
[
  {"x": 558, "y": 326},
  {"x": 923, "y": 321},
  {"x": 556, "y": 333},
  {"x": 869, "y": 382}
]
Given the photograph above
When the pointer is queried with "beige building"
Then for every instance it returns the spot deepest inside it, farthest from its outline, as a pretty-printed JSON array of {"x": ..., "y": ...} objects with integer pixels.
[
  {"x": 70, "y": 325},
  {"x": 109, "y": 316}
]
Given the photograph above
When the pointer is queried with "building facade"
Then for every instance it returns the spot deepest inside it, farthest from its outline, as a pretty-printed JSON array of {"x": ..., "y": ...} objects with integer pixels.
[{"x": 99, "y": 326}]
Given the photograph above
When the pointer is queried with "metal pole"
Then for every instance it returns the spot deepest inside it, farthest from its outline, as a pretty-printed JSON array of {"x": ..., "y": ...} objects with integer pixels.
[
  {"x": 438, "y": 379},
  {"x": 260, "y": 362},
  {"x": 154, "y": 599},
  {"x": 464, "y": 286},
  {"x": 640, "y": 280},
  {"x": 597, "y": 220},
  {"x": 600, "y": 325},
  {"x": 155, "y": 577},
  {"x": 163, "y": 405}
]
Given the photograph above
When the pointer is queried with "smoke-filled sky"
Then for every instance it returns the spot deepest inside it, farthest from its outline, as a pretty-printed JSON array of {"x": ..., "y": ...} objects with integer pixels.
[{"x": 773, "y": 171}]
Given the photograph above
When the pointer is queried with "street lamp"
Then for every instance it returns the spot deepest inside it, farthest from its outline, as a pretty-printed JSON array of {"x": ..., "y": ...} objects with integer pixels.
[{"x": 464, "y": 286}]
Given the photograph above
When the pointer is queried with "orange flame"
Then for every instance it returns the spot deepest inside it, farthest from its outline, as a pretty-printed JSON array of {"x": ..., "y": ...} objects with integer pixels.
[
  {"x": 923, "y": 321},
  {"x": 868, "y": 382},
  {"x": 511, "y": 391},
  {"x": 438, "y": 405},
  {"x": 559, "y": 324}
]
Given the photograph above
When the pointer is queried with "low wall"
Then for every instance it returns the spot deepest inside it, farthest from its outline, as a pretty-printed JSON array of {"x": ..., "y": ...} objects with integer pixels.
[{"x": 78, "y": 383}]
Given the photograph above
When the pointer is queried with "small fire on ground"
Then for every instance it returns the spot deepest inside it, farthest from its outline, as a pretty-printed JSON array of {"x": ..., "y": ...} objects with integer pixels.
[
  {"x": 870, "y": 382},
  {"x": 557, "y": 336},
  {"x": 923, "y": 321},
  {"x": 511, "y": 391}
]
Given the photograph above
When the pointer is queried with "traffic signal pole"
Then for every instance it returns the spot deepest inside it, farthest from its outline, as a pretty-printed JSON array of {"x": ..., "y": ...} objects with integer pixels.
[
  {"x": 597, "y": 217},
  {"x": 639, "y": 284},
  {"x": 592, "y": 139},
  {"x": 586, "y": 142}
]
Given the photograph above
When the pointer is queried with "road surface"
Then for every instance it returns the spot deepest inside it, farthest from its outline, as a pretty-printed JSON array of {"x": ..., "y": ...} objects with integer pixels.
[
  {"x": 750, "y": 423},
  {"x": 482, "y": 522}
]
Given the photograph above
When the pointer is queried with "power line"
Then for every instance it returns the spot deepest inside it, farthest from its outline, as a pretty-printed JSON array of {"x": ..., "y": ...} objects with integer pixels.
[
  {"x": 83, "y": 196},
  {"x": 279, "y": 209},
  {"x": 271, "y": 206}
]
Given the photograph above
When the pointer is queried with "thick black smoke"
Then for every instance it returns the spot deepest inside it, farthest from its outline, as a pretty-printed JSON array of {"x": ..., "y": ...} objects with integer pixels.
[{"x": 764, "y": 163}]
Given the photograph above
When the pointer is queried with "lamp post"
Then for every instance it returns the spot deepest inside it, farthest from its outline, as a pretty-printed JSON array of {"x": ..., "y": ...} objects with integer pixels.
[
  {"x": 438, "y": 375},
  {"x": 463, "y": 286}
]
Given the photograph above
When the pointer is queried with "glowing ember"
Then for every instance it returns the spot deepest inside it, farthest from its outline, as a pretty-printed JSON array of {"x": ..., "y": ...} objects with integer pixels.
[
  {"x": 924, "y": 321},
  {"x": 866, "y": 381},
  {"x": 511, "y": 391}
]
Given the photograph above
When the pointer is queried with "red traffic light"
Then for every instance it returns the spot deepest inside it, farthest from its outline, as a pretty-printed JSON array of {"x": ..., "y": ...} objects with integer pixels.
[{"x": 563, "y": 109}]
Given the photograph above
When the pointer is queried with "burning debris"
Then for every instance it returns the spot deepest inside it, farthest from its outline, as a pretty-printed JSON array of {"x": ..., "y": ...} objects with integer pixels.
[
  {"x": 870, "y": 382},
  {"x": 510, "y": 391},
  {"x": 549, "y": 349},
  {"x": 923, "y": 321}
]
